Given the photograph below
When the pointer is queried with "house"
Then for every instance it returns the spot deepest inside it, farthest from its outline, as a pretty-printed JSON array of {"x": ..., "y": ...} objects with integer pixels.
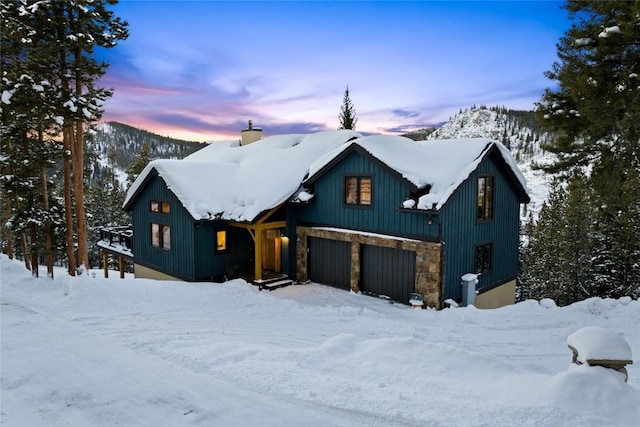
[{"x": 378, "y": 214}]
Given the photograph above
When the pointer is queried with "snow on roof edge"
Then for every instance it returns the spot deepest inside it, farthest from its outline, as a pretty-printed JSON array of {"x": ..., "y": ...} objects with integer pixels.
[
  {"x": 240, "y": 182},
  {"x": 444, "y": 163}
]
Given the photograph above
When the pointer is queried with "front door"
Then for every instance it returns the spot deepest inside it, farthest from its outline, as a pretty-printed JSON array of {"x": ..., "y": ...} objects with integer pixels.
[{"x": 271, "y": 250}]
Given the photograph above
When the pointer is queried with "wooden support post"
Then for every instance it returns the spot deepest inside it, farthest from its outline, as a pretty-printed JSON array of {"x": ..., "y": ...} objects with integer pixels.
[
  {"x": 121, "y": 266},
  {"x": 258, "y": 255},
  {"x": 105, "y": 263}
]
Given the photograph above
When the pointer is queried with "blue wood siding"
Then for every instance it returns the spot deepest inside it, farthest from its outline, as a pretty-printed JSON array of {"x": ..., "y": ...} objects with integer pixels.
[
  {"x": 289, "y": 248},
  {"x": 214, "y": 266},
  {"x": 177, "y": 261},
  {"x": 462, "y": 232},
  {"x": 388, "y": 193},
  {"x": 192, "y": 255}
]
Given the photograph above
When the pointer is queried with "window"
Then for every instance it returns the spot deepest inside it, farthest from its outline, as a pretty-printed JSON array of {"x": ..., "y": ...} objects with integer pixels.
[
  {"x": 357, "y": 190},
  {"x": 163, "y": 207},
  {"x": 160, "y": 236},
  {"x": 483, "y": 258},
  {"x": 166, "y": 237},
  {"x": 485, "y": 198},
  {"x": 221, "y": 240}
]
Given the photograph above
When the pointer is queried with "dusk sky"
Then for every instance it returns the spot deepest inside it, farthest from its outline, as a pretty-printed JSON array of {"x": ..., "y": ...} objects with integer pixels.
[{"x": 199, "y": 70}]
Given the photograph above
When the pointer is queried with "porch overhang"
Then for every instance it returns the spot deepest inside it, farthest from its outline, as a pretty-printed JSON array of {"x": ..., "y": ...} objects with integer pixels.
[{"x": 255, "y": 230}]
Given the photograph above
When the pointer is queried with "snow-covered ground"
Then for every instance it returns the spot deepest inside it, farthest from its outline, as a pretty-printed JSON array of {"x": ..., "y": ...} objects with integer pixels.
[{"x": 90, "y": 351}]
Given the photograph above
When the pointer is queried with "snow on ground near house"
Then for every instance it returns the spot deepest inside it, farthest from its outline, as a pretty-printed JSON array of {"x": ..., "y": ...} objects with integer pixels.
[{"x": 102, "y": 352}]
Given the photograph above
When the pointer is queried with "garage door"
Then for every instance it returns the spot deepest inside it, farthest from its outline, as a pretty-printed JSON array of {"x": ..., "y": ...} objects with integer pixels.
[
  {"x": 329, "y": 262},
  {"x": 388, "y": 272}
]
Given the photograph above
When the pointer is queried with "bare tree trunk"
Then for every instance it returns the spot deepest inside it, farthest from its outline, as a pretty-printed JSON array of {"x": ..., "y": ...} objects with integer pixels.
[
  {"x": 78, "y": 193},
  {"x": 25, "y": 252},
  {"x": 34, "y": 250},
  {"x": 77, "y": 151},
  {"x": 68, "y": 205},
  {"x": 8, "y": 233},
  {"x": 67, "y": 135},
  {"x": 48, "y": 250}
]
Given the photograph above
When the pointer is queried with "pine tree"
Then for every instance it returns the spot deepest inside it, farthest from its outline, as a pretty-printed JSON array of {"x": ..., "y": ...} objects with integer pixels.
[
  {"x": 347, "y": 115},
  {"x": 595, "y": 113},
  {"x": 543, "y": 276},
  {"x": 139, "y": 163},
  {"x": 577, "y": 230},
  {"x": 82, "y": 26},
  {"x": 28, "y": 117},
  {"x": 616, "y": 259},
  {"x": 505, "y": 140},
  {"x": 596, "y": 108},
  {"x": 557, "y": 259},
  {"x": 48, "y": 48}
]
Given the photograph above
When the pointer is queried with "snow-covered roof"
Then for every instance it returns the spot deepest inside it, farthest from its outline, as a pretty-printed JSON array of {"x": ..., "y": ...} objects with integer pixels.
[
  {"x": 232, "y": 182},
  {"x": 441, "y": 165}
]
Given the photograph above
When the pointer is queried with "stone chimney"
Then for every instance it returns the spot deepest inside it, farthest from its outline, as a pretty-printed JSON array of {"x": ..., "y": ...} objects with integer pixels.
[{"x": 250, "y": 134}]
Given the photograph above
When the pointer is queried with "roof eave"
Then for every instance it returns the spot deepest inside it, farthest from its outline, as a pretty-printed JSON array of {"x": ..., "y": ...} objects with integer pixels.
[
  {"x": 523, "y": 196},
  {"x": 151, "y": 174},
  {"x": 419, "y": 211}
]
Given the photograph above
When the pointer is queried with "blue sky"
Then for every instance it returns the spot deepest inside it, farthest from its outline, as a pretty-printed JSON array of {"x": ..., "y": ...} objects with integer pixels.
[{"x": 200, "y": 69}]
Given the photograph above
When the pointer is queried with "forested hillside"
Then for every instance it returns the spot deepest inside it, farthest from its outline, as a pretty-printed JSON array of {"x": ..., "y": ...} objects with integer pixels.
[{"x": 115, "y": 145}]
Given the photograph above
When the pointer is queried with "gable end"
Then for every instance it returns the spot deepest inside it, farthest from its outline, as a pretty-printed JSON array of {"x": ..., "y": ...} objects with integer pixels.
[
  {"x": 364, "y": 153},
  {"x": 153, "y": 173},
  {"x": 522, "y": 192}
]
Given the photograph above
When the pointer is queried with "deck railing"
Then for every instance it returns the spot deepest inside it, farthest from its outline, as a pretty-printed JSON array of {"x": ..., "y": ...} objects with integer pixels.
[{"x": 122, "y": 236}]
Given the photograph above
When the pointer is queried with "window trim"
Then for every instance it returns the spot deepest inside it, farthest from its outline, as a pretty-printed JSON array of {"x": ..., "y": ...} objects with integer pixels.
[
  {"x": 162, "y": 243},
  {"x": 476, "y": 252},
  {"x": 357, "y": 204},
  {"x": 160, "y": 207},
  {"x": 226, "y": 240},
  {"x": 484, "y": 218}
]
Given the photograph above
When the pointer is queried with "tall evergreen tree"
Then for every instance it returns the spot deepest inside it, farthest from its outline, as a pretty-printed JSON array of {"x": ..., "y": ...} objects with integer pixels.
[
  {"x": 139, "y": 163},
  {"x": 596, "y": 108},
  {"x": 347, "y": 115},
  {"x": 51, "y": 44},
  {"x": 595, "y": 111},
  {"x": 542, "y": 275},
  {"x": 28, "y": 120},
  {"x": 556, "y": 261}
]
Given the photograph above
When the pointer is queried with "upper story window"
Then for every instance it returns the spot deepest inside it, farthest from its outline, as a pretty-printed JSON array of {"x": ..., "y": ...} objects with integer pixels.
[
  {"x": 162, "y": 207},
  {"x": 357, "y": 190},
  {"x": 485, "y": 198},
  {"x": 160, "y": 236},
  {"x": 483, "y": 258},
  {"x": 221, "y": 240}
]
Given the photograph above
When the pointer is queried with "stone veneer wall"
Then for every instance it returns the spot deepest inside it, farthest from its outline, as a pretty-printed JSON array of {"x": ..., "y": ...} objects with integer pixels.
[{"x": 428, "y": 266}]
